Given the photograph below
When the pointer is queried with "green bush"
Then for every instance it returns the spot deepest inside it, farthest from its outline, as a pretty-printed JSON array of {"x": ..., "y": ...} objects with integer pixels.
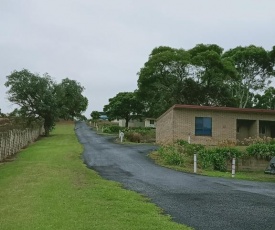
[
  {"x": 217, "y": 158},
  {"x": 137, "y": 134},
  {"x": 190, "y": 149},
  {"x": 143, "y": 131},
  {"x": 261, "y": 150},
  {"x": 205, "y": 158},
  {"x": 110, "y": 129},
  {"x": 171, "y": 155},
  {"x": 182, "y": 142}
]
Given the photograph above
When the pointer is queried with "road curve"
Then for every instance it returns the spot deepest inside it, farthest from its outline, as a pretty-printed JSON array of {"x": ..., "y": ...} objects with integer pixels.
[{"x": 198, "y": 201}]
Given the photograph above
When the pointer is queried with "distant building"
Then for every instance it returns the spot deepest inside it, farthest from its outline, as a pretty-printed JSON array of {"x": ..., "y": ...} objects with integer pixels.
[
  {"x": 103, "y": 117},
  {"x": 150, "y": 122},
  {"x": 147, "y": 122}
]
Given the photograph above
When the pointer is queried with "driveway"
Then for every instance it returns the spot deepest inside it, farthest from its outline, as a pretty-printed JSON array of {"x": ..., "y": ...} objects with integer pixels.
[{"x": 198, "y": 201}]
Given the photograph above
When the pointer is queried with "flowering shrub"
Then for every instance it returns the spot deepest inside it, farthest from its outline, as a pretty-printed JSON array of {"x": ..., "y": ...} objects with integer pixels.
[
  {"x": 250, "y": 140},
  {"x": 227, "y": 143}
]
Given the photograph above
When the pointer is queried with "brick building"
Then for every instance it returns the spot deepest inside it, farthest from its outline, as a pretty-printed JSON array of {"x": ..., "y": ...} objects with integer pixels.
[{"x": 210, "y": 125}]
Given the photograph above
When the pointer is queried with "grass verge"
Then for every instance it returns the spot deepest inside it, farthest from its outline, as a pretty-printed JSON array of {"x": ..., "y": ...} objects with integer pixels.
[
  {"x": 48, "y": 187},
  {"x": 189, "y": 168}
]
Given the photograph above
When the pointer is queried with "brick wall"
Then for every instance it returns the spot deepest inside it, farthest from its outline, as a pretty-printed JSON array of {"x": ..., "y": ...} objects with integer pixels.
[
  {"x": 164, "y": 128},
  {"x": 249, "y": 164},
  {"x": 180, "y": 123}
]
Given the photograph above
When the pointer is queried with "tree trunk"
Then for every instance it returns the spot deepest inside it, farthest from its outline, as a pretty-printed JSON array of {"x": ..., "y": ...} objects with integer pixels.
[
  {"x": 48, "y": 125},
  {"x": 126, "y": 123},
  {"x": 47, "y": 130}
]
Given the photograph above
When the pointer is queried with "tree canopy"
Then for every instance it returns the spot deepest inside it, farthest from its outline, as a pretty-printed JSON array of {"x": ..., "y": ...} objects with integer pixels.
[
  {"x": 95, "y": 115},
  {"x": 177, "y": 76},
  {"x": 203, "y": 75},
  {"x": 40, "y": 97},
  {"x": 254, "y": 68},
  {"x": 70, "y": 99},
  {"x": 125, "y": 105}
]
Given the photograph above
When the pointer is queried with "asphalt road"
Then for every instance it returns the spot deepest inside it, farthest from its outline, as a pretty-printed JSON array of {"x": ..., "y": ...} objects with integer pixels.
[{"x": 198, "y": 201}]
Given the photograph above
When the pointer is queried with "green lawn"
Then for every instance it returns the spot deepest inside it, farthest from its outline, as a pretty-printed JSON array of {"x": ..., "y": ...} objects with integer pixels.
[{"x": 48, "y": 187}]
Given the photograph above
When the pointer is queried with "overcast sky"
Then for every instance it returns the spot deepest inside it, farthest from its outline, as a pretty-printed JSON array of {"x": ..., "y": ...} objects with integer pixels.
[{"x": 103, "y": 44}]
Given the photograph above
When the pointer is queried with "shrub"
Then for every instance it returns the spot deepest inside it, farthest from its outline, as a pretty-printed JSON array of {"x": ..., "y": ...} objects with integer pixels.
[
  {"x": 256, "y": 140},
  {"x": 114, "y": 129},
  {"x": 182, "y": 142},
  {"x": 205, "y": 159},
  {"x": 171, "y": 155},
  {"x": 217, "y": 157},
  {"x": 227, "y": 143},
  {"x": 110, "y": 128},
  {"x": 261, "y": 150},
  {"x": 190, "y": 149},
  {"x": 141, "y": 134},
  {"x": 133, "y": 136}
]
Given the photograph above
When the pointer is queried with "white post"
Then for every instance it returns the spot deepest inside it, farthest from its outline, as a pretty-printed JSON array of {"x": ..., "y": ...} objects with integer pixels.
[
  {"x": 233, "y": 167},
  {"x": 195, "y": 163},
  {"x": 121, "y": 135},
  {"x": 189, "y": 139}
]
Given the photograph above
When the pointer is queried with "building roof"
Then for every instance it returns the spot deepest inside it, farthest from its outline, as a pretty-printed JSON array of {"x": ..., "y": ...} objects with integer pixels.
[{"x": 230, "y": 109}]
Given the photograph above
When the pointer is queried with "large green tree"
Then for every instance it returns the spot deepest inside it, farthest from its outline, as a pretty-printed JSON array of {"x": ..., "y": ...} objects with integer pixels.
[
  {"x": 40, "y": 97},
  {"x": 125, "y": 105},
  {"x": 71, "y": 102},
  {"x": 254, "y": 67},
  {"x": 176, "y": 76}
]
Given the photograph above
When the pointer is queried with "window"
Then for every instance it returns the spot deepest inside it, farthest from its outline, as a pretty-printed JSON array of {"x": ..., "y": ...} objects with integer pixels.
[
  {"x": 203, "y": 126},
  {"x": 152, "y": 122}
]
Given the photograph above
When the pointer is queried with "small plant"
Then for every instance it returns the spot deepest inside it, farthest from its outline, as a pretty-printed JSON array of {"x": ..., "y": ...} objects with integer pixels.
[{"x": 171, "y": 155}]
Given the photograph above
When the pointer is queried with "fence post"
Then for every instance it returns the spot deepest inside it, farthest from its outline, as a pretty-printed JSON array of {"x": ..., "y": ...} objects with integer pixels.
[
  {"x": 121, "y": 135},
  {"x": 195, "y": 163},
  {"x": 233, "y": 167}
]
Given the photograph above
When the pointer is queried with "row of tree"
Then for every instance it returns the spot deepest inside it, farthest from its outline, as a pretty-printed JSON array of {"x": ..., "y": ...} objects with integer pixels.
[
  {"x": 203, "y": 75},
  {"x": 40, "y": 97}
]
